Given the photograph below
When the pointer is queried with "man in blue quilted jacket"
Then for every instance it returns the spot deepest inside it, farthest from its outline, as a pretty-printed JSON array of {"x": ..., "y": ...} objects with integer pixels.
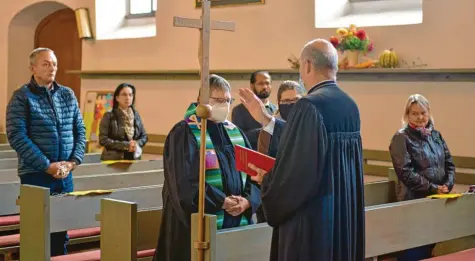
[{"x": 46, "y": 129}]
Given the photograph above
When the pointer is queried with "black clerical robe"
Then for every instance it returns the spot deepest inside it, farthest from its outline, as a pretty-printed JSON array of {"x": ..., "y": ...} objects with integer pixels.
[
  {"x": 314, "y": 196},
  {"x": 180, "y": 190},
  {"x": 244, "y": 120}
]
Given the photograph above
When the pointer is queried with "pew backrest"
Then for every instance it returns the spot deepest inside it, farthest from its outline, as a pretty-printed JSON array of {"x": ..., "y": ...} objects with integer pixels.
[
  {"x": 377, "y": 162},
  {"x": 12, "y": 163},
  {"x": 10, "y": 191},
  {"x": 389, "y": 228},
  {"x": 10, "y": 175},
  {"x": 7, "y": 154},
  {"x": 4, "y": 147},
  {"x": 380, "y": 192}
]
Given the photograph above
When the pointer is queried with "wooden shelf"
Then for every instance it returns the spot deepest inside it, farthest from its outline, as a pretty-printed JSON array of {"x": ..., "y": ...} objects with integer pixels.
[{"x": 376, "y": 74}]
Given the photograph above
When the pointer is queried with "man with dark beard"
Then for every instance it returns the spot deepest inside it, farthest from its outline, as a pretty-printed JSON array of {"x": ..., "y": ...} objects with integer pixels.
[{"x": 261, "y": 86}]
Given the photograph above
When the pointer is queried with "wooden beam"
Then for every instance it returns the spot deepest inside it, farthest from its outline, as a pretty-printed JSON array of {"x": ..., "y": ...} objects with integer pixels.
[
  {"x": 198, "y": 24},
  {"x": 278, "y": 74}
]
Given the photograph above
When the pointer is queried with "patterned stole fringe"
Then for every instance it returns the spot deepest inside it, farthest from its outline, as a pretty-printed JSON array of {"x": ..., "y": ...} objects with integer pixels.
[{"x": 213, "y": 171}]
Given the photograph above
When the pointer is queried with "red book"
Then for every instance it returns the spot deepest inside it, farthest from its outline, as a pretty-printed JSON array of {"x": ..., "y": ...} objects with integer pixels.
[{"x": 244, "y": 156}]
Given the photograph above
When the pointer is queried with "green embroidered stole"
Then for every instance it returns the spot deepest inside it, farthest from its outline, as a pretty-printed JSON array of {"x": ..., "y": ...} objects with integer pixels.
[{"x": 213, "y": 171}]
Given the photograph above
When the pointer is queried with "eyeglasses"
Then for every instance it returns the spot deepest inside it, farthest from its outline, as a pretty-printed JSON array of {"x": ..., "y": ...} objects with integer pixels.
[
  {"x": 223, "y": 100},
  {"x": 288, "y": 101}
]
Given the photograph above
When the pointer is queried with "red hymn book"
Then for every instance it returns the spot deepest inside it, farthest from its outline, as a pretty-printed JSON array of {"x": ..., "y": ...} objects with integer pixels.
[{"x": 244, "y": 156}]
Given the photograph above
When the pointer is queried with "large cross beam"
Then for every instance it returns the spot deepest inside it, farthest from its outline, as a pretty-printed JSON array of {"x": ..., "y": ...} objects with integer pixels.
[{"x": 205, "y": 25}]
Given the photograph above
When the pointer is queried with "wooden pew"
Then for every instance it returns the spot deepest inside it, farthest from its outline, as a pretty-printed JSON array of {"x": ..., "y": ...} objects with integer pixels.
[
  {"x": 117, "y": 236},
  {"x": 96, "y": 168},
  {"x": 4, "y": 147},
  {"x": 12, "y": 163},
  {"x": 42, "y": 215},
  {"x": 377, "y": 163},
  {"x": 389, "y": 228},
  {"x": 133, "y": 236},
  {"x": 10, "y": 191},
  {"x": 7, "y": 154}
]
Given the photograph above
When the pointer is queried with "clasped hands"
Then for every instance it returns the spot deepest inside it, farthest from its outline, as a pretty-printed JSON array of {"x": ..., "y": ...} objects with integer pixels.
[
  {"x": 60, "y": 170},
  {"x": 132, "y": 146},
  {"x": 236, "y": 205},
  {"x": 442, "y": 189}
]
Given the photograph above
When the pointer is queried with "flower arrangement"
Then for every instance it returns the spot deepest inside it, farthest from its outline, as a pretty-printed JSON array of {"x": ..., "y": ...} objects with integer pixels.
[{"x": 352, "y": 39}]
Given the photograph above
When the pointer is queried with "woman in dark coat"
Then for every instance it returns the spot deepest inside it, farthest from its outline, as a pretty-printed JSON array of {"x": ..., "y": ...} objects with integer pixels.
[
  {"x": 422, "y": 161},
  {"x": 121, "y": 132}
]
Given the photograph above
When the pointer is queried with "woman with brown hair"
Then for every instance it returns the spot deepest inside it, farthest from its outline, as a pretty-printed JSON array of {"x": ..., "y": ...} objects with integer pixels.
[{"x": 122, "y": 133}]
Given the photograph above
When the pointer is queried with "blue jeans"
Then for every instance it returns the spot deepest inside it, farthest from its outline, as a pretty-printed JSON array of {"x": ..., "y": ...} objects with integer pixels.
[
  {"x": 59, "y": 240},
  {"x": 416, "y": 254}
]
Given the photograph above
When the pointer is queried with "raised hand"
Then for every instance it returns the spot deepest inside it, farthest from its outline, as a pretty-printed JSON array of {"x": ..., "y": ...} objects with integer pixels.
[{"x": 255, "y": 106}]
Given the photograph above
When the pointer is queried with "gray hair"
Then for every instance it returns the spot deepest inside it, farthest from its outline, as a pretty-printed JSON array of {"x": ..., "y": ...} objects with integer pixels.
[
  {"x": 217, "y": 83},
  {"x": 320, "y": 59},
  {"x": 35, "y": 52},
  {"x": 419, "y": 100},
  {"x": 289, "y": 85}
]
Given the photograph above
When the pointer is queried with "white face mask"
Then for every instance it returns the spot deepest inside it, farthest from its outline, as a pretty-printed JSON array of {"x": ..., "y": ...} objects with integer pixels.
[{"x": 220, "y": 112}]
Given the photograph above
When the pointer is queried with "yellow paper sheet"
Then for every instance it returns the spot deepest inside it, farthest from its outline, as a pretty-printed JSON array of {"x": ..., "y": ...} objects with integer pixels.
[
  {"x": 445, "y": 196},
  {"x": 109, "y": 162},
  {"x": 90, "y": 192}
]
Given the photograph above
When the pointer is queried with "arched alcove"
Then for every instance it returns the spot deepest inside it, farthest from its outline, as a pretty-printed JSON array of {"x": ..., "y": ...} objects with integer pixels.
[{"x": 21, "y": 40}]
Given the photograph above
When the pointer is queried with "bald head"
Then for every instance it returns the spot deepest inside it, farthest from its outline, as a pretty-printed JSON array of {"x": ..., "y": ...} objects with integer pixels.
[{"x": 321, "y": 54}]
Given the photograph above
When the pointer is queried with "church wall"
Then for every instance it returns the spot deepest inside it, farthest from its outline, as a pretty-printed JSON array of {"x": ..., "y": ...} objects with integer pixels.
[
  {"x": 163, "y": 103},
  {"x": 265, "y": 36},
  {"x": 22, "y": 17}
]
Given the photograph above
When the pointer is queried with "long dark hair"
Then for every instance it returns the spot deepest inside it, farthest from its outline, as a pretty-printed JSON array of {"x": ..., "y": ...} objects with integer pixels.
[{"x": 119, "y": 88}]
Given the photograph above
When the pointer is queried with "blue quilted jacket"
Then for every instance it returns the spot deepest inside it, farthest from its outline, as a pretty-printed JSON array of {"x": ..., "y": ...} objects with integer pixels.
[{"x": 45, "y": 126}]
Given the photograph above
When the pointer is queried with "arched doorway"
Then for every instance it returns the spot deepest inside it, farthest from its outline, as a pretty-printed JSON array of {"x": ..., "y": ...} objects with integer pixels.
[
  {"x": 58, "y": 31},
  {"x": 21, "y": 41}
]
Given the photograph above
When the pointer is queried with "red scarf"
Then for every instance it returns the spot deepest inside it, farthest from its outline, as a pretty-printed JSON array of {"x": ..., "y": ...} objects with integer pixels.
[{"x": 423, "y": 130}]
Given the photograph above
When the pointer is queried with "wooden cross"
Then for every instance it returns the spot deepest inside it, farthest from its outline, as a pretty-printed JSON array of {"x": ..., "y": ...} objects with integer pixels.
[{"x": 205, "y": 25}]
